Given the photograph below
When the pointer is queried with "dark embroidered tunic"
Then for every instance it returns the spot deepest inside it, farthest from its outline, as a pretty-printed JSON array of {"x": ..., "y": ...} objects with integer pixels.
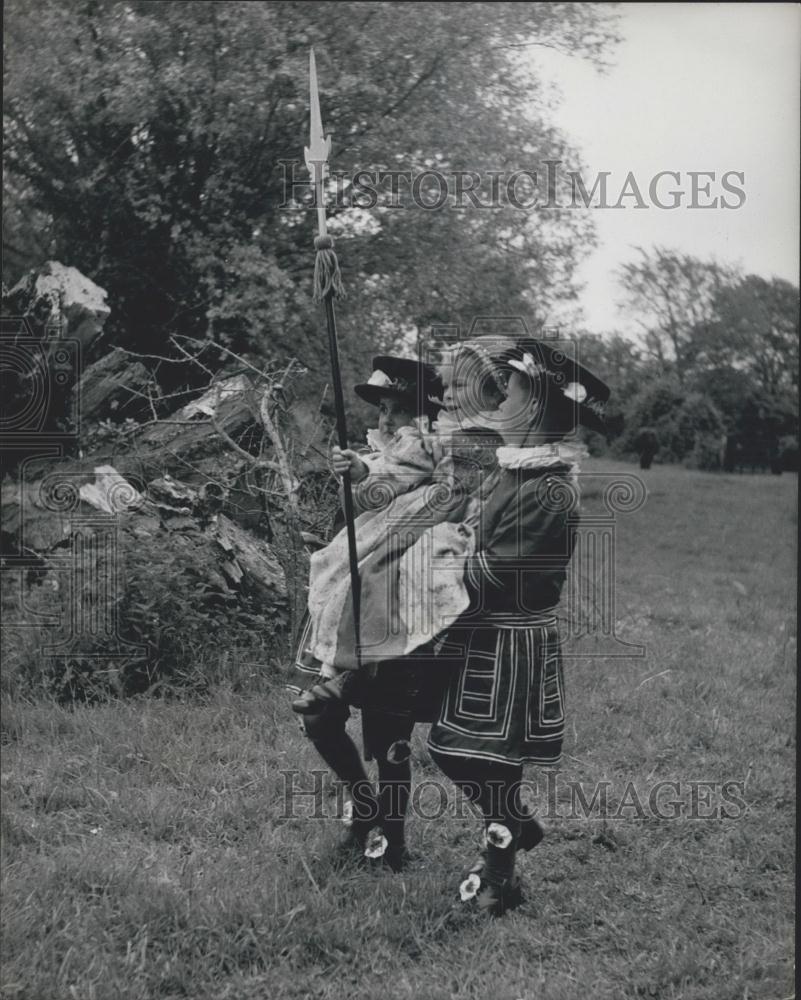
[{"x": 505, "y": 699}]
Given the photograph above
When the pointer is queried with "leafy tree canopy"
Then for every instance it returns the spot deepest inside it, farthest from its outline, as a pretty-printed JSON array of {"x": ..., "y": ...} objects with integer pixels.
[
  {"x": 150, "y": 137},
  {"x": 721, "y": 346}
]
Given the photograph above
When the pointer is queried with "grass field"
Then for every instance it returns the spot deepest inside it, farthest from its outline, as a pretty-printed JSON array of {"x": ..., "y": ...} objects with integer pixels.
[{"x": 145, "y": 853}]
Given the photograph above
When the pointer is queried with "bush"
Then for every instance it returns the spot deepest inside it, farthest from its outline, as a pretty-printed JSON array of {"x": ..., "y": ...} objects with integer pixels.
[
  {"x": 666, "y": 422},
  {"x": 157, "y": 615},
  {"x": 699, "y": 424},
  {"x": 177, "y": 604},
  {"x": 706, "y": 453},
  {"x": 654, "y": 407}
]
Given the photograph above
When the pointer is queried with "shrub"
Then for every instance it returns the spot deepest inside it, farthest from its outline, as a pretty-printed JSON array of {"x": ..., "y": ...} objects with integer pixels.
[
  {"x": 700, "y": 430},
  {"x": 156, "y": 614},
  {"x": 664, "y": 420},
  {"x": 706, "y": 453}
]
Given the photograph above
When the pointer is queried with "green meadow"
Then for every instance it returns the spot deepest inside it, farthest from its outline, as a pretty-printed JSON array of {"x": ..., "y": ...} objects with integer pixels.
[{"x": 148, "y": 851}]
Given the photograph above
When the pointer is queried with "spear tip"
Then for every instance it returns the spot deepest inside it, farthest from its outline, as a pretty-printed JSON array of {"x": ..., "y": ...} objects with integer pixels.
[
  {"x": 319, "y": 144},
  {"x": 313, "y": 75}
]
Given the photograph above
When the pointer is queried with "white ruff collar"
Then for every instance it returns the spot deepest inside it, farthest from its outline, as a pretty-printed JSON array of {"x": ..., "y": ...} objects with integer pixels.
[{"x": 541, "y": 456}]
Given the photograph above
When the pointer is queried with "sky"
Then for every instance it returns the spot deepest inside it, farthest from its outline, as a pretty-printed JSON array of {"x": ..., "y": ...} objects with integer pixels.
[{"x": 693, "y": 87}]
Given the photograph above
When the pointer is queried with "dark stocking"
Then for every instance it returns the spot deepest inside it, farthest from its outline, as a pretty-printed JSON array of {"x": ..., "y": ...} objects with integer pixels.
[
  {"x": 495, "y": 788},
  {"x": 327, "y": 731},
  {"x": 389, "y": 740}
]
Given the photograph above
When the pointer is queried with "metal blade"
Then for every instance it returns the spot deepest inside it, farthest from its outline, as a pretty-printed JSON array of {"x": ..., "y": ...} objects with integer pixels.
[{"x": 319, "y": 147}]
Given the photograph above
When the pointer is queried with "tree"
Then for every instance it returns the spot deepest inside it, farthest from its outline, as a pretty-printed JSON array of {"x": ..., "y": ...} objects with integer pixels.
[
  {"x": 674, "y": 297},
  {"x": 154, "y": 138},
  {"x": 730, "y": 339},
  {"x": 701, "y": 432},
  {"x": 752, "y": 351},
  {"x": 655, "y": 407},
  {"x": 757, "y": 329}
]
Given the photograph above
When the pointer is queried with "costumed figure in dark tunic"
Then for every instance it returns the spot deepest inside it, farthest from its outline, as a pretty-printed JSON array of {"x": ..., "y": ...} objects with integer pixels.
[
  {"x": 393, "y": 691},
  {"x": 504, "y": 705}
]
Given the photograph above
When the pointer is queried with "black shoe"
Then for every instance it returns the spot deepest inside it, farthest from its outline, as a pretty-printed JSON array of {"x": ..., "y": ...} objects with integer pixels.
[
  {"x": 396, "y": 857},
  {"x": 498, "y": 888},
  {"x": 362, "y": 810},
  {"x": 495, "y": 898}
]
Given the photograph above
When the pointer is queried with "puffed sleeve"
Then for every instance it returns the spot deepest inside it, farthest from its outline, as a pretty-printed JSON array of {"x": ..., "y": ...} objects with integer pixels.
[{"x": 523, "y": 559}]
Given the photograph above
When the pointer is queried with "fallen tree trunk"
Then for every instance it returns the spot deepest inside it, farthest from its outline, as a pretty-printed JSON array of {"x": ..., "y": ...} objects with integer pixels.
[
  {"x": 191, "y": 435},
  {"x": 249, "y": 560},
  {"x": 113, "y": 385}
]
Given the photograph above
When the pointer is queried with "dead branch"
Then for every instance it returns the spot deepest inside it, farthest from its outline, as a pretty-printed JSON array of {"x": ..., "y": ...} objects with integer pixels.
[
  {"x": 252, "y": 460},
  {"x": 284, "y": 471}
]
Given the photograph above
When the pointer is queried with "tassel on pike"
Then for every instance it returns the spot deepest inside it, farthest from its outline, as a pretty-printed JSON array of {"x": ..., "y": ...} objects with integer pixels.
[{"x": 327, "y": 276}]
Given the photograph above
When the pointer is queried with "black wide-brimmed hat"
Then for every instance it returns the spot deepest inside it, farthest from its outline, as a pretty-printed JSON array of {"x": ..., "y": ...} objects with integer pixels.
[
  {"x": 576, "y": 384},
  {"x": 416, "y": 383}
]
